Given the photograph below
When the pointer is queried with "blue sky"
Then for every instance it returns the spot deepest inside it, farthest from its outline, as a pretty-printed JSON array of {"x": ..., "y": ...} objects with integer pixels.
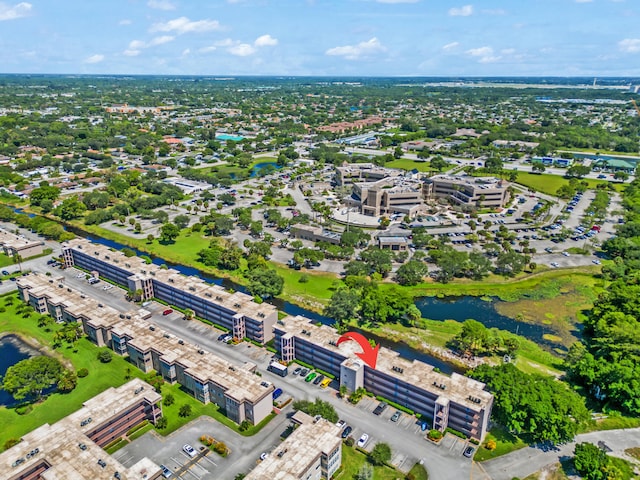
[{"x": 322, "y": 37}]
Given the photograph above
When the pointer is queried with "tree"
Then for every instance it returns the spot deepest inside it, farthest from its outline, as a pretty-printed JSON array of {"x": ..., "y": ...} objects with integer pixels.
[
  {"x": 594, "y": 464},
  {"x": 318, "y": 407},
  {"x": 438, "y": 163},
  {"x": 380, "y": 454},
  {"x": 169, "y": 232},
  {"x": 168, "y": 400},
  {"x": 265, "y": 282},
  {"x": 68, "y": 381},
  {"x": 181, "y": 221},
  {"x": 538, "y": 167},
  {"x": 343, "y": 306},
  {"x": 379, "y": 260},
  {"x": 578, "y": 171},
  {"x": 30, "y": 377},
  {"x": 185, "y": 410},
  {"x": 70, "y": 208},
  {"x": 43, "y": 192},
  {"x": 620, "y": 175},
  {"x": 105, "y": 356},
  {"x": 411, "y": 273}
]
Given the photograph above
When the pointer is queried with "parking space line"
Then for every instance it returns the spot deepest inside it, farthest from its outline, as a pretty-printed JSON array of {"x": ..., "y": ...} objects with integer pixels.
[{"x": 210, "y": 461}]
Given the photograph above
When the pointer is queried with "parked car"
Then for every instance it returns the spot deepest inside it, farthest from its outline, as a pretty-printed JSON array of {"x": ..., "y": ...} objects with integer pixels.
[
  {"x": 4, "y": 272},
  {"x": 310, "y": 377},
  {"x": 346, "y": 432},
  {"x": 318, "y": 379},
  {"x": 341, "y": 424},
  {"x": 189, "y": 450},
  {"x": 166, "y": 473},
  {"x": 263, "y": 455},
  {"x": 380, "y": 408},
  {"x": 362, "y": 441},
  {"x": 396, "y": 416},
  {"x": 168, "y": 311},
  {"x": 297, "y": 371},
  {"x": 277, "y": 392},
  {"x": 304, "y": 372},
  {"x": 468, "y": 452}
]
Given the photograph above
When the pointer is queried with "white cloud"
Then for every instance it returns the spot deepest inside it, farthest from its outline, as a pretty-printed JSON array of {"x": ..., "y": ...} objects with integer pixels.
[
  {"x": 125, "y": 21},
  {"x": 629, "y": 45},
  {"x": 265, "y": 41},
  {"x": 208, "y": 49},
  {"x": 354, "y": 52},
  {"x": 484, "y": 54},
  {"x": 397, "y": 1},
  {"x": 584, "y": 1},
  {"x": 131, "y": 52},
  {"x": 184, "y": 25},
  {"x": 508, "y": 51},
  {"x": 186, "y": 52},
  {"x": 161, "y": 4},
  {"x": 19, "y": 10},
  {"x": 160, "y": 40},
  {"x": 450, "y": 46},
  {"x": 97, "y": 58},
  {"x": 242, "y": 50},
  {"x": 462, "y": 11},
  {"x": 227, "y": 42}
]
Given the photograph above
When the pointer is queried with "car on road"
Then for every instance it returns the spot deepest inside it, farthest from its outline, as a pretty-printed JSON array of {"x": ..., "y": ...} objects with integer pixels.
[
  {"x": 189, "y": 450},
  {"x": 566, "y": 254},
  {"x": 596, "y": 262},
  {"x": 166, "y": 473},
  {"x": 263, "y": 455},
  {"x": 318, "y": 379},
  {"x": 555, "y": 264},
  {"x": 347, "y": 431},
  {"x": 468, "y": 452},
  {"x": 396, "y": 416},
  {"x": 380, "y": 408},
  {"x": 362, "y": 441},
  {"x": 168, "y": 311},
  {"x": 310, "y": 377},
  {"x": 4, "y": 272},
  {"x": 297, "y": 371}
]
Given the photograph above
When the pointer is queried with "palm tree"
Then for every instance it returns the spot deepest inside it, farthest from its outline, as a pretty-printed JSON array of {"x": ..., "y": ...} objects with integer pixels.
[{"x": 17, "y": 258}]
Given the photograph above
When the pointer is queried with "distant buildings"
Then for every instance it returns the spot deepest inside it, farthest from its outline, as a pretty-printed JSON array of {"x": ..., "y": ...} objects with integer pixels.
[
  {"x": 481, "y": 192},
  {"x": 72, "y": 447},
  {"x": 457, "y": 401},
  {"x": 312, "y": 452},
  {"x": 314, "y": 234},
  {"x": 235, "y": 311},
  {"x": 207, "y": 377},
  {"x": 380, "y": 191},
  {"x": 12, "y": 244}
]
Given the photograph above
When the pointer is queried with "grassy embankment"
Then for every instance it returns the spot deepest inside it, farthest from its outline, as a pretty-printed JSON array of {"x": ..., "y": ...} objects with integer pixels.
[
  {"x": 352, "y": 462},
  {"x": 409, "y": 164},
  {"x": 83, "y": 354},
  {"x": 549, "y": 184}
]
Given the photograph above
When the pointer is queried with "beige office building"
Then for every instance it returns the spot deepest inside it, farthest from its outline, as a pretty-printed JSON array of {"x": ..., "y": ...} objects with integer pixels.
[
  {"x": 480, "y": 192},
  {"x": 12, "y": 244}
]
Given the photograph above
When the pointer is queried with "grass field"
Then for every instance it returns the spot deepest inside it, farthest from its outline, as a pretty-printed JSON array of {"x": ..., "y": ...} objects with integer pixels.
[
  {"x": 352, "y": 462},
  {"x": 549, "y": 184},
  {"x": 5, "y": 260},
  {"x": 56, "y": 406},
  {"x": 408, "y": 164},
  {"x": 505, "y": 443}
]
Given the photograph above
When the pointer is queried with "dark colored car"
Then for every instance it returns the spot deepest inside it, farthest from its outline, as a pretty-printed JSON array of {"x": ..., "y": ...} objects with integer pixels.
[
  {"x": 380, "y": 408},
  {"x": 347, "y": 431},
  {"x": 277, "y": 392},
  {"x": 168, "y": 311},
  {"x": 297, "y": 371},
  {"x": 318, "y": 379}
]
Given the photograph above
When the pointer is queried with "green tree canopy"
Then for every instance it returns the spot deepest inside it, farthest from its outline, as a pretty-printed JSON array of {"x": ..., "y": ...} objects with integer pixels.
[{"x": 30, "y": 377}]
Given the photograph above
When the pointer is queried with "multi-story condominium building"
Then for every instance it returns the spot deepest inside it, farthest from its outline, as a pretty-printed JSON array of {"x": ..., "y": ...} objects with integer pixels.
[
  {"x": 72, "y": 447},
  {"x": 312, "y": 452},
  {"x": 452, "y": 401},
  {"x": 481, "y": 192},
  {"x": 207, "y": 377},
  {"x": 236, "y": 311},
  {"x": 364, "y": 172},
  {"x": 12, "y": 244}
]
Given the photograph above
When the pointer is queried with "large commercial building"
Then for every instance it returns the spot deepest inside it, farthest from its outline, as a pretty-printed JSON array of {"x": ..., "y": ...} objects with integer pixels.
[
  {"x": 207, "y": 377},
  {"x": 480, "y": 192},
  {"x": 457, "y": 401},
  {"x": 72, "y": 448},
  {"x": 12, "y": 244},
  {"x": 312, "y": 452},
  {"x": 236, "y": 311}
]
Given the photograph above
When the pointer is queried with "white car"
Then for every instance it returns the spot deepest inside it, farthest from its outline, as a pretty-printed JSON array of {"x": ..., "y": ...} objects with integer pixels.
[
  {"x": 263, "y": 455},
  {"x": 566, "y": 254},
  {"x": 596, "y": 262},
  {"x": 362, "y": 441},
  {"x": 555, "y": 264},
  {"x": 341, "y": 424},
  {"x": 189, "y": 450}
]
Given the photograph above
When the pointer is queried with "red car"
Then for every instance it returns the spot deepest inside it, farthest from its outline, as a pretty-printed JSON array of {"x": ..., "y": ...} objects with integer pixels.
[{"x": 168, "y": 311}]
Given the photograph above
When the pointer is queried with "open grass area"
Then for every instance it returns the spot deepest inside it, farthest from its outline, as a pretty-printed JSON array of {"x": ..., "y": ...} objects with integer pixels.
[
  {"x": 613, "y": 422},
  {"x": 352, "y": 462},
  {"x": 551, "y": 472},
  {"x": 83, "y": 355},
  {"x": 5, "y": 260},
  {"x": 314, "y": 293},
  {"x": 549, "y": 184},
  {"x": 505, "y": 443},
  {"x": 418, "y": 472},
  {"x": 409, "y": 164}
]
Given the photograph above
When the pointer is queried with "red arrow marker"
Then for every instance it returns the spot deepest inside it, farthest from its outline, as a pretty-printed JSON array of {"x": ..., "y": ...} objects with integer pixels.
[{"x": 369, "y": 354}]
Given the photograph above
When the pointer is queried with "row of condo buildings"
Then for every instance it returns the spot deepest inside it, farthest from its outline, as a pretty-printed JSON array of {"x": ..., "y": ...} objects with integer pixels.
[
  {"x": 72, "y": 448},
  {"x": 209, "y": 378},
  {"x": 457, "y": 401},
  {"x": 380, "y": 191}
]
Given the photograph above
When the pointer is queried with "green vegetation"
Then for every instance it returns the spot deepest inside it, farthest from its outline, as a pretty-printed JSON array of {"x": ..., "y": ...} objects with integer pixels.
[
  {"x": 318, "y": 407},
  {"x": 354, "y": 460},
  {"x": 418, "y": 472},
  {"x": 594, "y": 464},
  {"x": 409, "y": 164},
  {"x": 503, "y": 443},
  {"x": 550, "y": 184}
]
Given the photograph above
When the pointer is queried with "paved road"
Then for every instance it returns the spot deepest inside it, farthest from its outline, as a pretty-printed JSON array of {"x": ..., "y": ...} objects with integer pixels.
[{"x": 526, "y": 461}]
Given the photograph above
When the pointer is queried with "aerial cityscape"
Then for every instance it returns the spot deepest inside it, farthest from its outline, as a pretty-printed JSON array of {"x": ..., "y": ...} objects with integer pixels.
[{"x": 370, "y": 239}]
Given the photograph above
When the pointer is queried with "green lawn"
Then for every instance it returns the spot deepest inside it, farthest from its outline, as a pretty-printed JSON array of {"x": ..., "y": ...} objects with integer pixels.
[
  {"x": 505, "y": 443},
  {"x": 352, "y": 461},
  {"x": 549, "y": 184},
  {"x": 5, "y": 260},
  {"x": 408, "y": 164},
  {"x": 56, "y": 406},
  {"x": 419, "y": 472}
]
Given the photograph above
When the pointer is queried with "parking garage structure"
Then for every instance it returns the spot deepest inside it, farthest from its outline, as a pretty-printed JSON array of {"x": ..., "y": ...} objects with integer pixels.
[
  {"x": 235, "y": 389},
  {"x": 236, "y": 311},
  {"x": 455, "y": 401},
  {"x": 72, "y": 447}
]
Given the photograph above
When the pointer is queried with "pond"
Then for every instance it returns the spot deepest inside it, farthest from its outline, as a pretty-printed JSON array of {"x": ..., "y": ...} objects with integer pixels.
[
  {"x": 255, "y": 171},
  {"x": 12, "y": 351},
  {"x": 484, "y": 311}
]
